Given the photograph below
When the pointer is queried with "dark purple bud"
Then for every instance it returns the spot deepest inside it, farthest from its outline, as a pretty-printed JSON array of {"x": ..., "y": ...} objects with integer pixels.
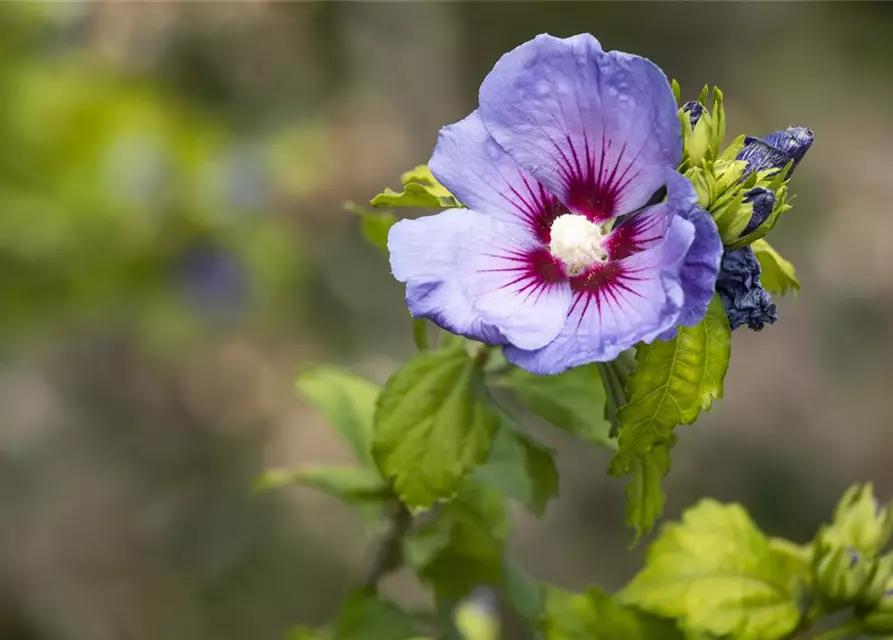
[
  {"x": 763, "y": 201},
  {"x": 854, "y": 557},
  {"x": 795, "y": 141},
  {"x": 776, "y": 150},
  {"x": 694, "y": 110},
  {"x": 738, "y": 285}
]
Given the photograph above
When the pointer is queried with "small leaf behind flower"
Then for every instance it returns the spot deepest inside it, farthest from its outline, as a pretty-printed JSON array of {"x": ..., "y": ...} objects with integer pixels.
[
  {"x": 573, "y": 400},
  {"x": 420, "y": 189},
  {"x": 433, "y": 426},
  {"x": 778, "y": 275}
]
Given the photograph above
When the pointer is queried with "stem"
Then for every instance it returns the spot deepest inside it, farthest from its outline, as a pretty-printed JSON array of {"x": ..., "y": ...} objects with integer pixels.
[
  {"x": 389, "y": 556},
  {"x": 843, "y": 631}
]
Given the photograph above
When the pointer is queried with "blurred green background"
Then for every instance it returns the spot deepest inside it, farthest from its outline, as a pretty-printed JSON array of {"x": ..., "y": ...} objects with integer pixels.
[{"x": 174, "y": 249}]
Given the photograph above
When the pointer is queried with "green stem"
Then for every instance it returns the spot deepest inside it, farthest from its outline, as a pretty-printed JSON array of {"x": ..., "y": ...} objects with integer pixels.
[
  {"x": 389, "y": 556},
  {"x": 420, "y": 334},
  {"x": 844, "y": 631}
]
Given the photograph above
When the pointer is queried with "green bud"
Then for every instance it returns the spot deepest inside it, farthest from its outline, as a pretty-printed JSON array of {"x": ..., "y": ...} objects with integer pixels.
[
  {"x": 876, "y": 586},
  {"x": 841, "y": 576},
  {"x": 859, "y": 522},
  {"x": 703, "y": 184},
  {"x": 697, "y": 132},
  {"x": 880, "y": 623},
  {"x": 879, "y": 619},
  {"x": 731, "y": 214}
]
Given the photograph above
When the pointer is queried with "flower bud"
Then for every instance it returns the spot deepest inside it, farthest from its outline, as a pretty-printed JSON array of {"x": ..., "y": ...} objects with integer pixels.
[
  {"x": 697, "y": 132},
  {"x": 776, "y": 150},
  {"x": 763, "y": 201},
  {"x": 738, "y": 285}
]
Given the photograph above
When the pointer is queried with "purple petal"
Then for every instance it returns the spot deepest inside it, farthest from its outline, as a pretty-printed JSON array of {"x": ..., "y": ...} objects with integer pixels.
[
  {"x": 479, "y": 277},
  {"x": 701, "y": 263},
  {"x": 616, "y": 306},
  {"x": 596, "y": 129},
  {"x": 469, "y": 163}
]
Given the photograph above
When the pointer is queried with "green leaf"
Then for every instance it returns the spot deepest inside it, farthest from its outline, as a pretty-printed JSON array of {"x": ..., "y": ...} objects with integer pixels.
[
  {"x": 521, "y": 468},
  {"x": 351, "y": 484},
  {"x": 595, "y": 615},
  {"x": 433, "y": 426},
  {"x": 363, "y": 616},
  {"x": 375, "y": 228},
  {"x": 348, "y": 402},
  {"x": 644, "y": 495},
  {"x": 673, "y": 382},
  {"x": 778, "y": 275},
  {"x": 464, "y": 547},
  {"x": 717, "y": 573},
  {"x": 420, "y": 189},
  {"x": 573, "y": 400},
  {"x": 522, "y": 592},
  {"x": 374, "y": 225}
]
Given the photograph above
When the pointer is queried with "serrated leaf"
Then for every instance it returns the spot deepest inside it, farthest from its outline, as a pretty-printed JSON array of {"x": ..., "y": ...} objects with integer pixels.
[
  {"x": 644, "y": 495},
  {"x": 573, "y": 400},
  {"x": 464, "y": 547},
  {"x": 595, "y": 615},
  {"x": 433, "y": 426},
  {"x": 347, "y": 401},
  {"x": 673, "y": 382},
  {"x": 350, "y": 484},
  {"x": 717, "y": 573},
  {"x": 522, "y": 469},
  {"x": 364, "y": 616},
  {"x": 778, "y": 275},
  {"x": 420, "y": 189}
]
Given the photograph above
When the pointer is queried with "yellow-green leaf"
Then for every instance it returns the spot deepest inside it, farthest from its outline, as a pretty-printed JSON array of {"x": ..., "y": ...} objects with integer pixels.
[
  {"x": 778, "y": 275},
  {"x": 433, "y": 426},
  {"x": 595, "y": 615},
  {"x": 420, "y": 189},
  {"x": 717, "y": 573}
]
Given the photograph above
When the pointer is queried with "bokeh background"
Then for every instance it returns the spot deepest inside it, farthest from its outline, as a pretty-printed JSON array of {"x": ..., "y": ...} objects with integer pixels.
[{"x": 174, "y": 249}]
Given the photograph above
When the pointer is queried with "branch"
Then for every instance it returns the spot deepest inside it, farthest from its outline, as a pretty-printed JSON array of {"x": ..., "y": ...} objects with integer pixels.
[{"x": 389, "y": 556}]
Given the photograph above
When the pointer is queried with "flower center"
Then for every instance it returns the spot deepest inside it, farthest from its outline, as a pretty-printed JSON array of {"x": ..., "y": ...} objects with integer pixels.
[{"x": 577, "y": 242}]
